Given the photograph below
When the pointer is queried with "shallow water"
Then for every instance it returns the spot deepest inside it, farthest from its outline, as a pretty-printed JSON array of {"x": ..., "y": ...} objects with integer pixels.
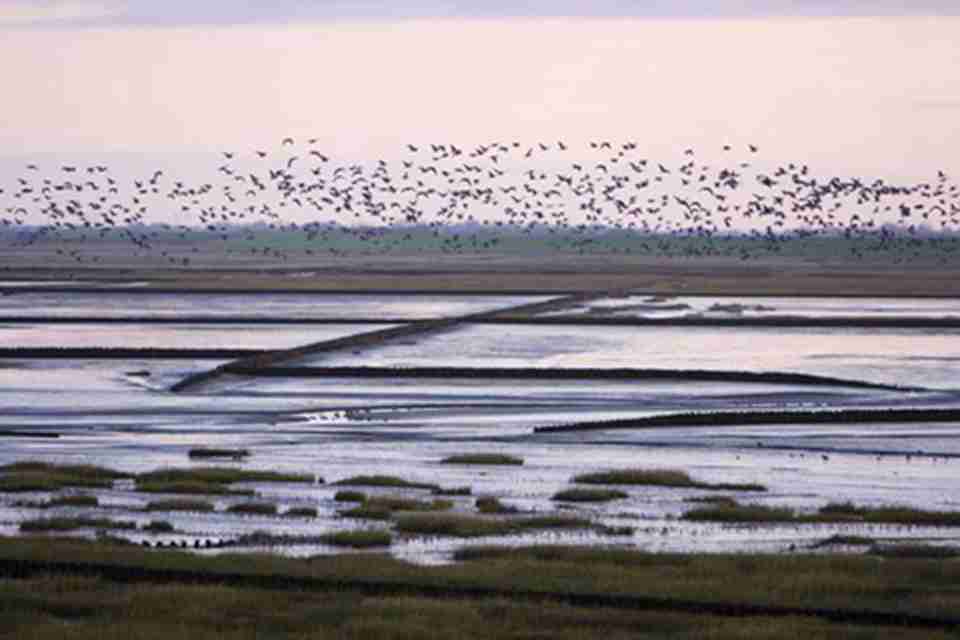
[
  {"x": 118, "y": 413},
  {"x": 117, "y": 304}
]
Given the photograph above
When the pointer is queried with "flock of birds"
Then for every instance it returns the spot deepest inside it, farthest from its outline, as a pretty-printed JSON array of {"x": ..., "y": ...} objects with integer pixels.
[{"x": 294, "y": 201}]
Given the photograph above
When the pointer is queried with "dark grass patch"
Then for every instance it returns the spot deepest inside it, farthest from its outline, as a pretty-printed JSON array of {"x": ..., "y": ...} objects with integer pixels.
[
  {"x": 891, "y": 587},
  {"x": 483, "y": 458},
  {"x": 490, "y": 504},
  {"x": 847, "y": 511},
  {"x": 350, "y": 496},
  {"x": 916, "y": 551},
  {"x": 384, "y": 481},
  {"x": 740, "y": 513},
  {"x": 204, "y": 453},
  {"x": 158, "y": 526},
  {"x": 191, "y": 487},
  {"x": 614, "y": 530},
  {"x": 580, "y": 494},
  {"x": 301, "y": 512},
  {"x": 71, "y": 524},
  {"x": 180, "y": 504},
  {"x": 452, "y": 491},
  {"x": 832, "y": 513},
  {"x": 586, "y": 556},
  {"x": 363, "y": 539},
  {"x": 383, "y": 507},
  {"x": 74, "y": 500},
  {"x": 221, "y": 475},
  {"x": 659, "y": 478},
  {"x": 466, "y": 526},
  {"x": 364, "y": 512},
  {"x": 254, "y": 508},
  {"x": 30, "y": 481},
  {"x": 69, "y": 470}
]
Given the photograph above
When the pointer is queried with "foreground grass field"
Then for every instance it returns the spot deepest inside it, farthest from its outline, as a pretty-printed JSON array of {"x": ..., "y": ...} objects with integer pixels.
[{"x": 335, "y": 600}]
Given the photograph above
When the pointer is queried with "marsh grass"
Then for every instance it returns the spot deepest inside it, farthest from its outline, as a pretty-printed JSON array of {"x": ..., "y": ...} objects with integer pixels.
[
  {"x": 301, "y": 512},
  {"x": 350, "y": 496},
  {"x": 659, "y": 478},
  {"x": 364, "y": 512},
  {"x": 580, "y": 494},
  {"x": 254, "y": 508},
  {"x": 361, "y": 539},
  {"x": 907, "y": 585},
  {"x": 180, "y": 504},
  {"x": 452, "y": 491},
  {"x": 54, "y": 607},
  {"x": 890, "y": 515},
  {"x": 71, "y": 524},
  {"x": 191, "y": 487},
  {"x": 385, "y": 481},
  {"x": 832, "y": 513},
  {"x": 159, "y": 526},
  {"x": 490, "y": 504},
  {"x": 70, "y": 500},
  {"x": 69, "y": 470},
  {"x": 74, "y": 500},
  {"x": 467, "y": 526},
  {"x": 921, "y": 551},
  {"x": 740, "y": 513},
  {"x": 30, "y": 481},
  {"x": 221, "y": 475},
  {"x": 483, "y": 458},
  {"x": 203, "y": 453},
  {"x": 383, "y": 507}
]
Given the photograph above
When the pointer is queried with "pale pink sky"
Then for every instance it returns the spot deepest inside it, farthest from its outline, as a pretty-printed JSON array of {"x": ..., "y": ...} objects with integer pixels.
[{"x": 864, "y": 95}]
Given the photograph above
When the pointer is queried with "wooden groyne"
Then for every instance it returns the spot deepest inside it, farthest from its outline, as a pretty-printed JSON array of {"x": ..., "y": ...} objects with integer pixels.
[{"x": 749, "y": 418}]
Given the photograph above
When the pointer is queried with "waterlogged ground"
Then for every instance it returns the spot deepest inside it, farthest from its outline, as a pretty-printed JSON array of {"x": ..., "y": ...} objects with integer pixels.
[{"x": 119, "y": 414}]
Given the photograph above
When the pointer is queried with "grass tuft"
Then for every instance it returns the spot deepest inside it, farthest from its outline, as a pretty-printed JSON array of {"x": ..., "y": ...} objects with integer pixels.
[
  {"x": 191, "y": 487},
  {"x": 740, "y": 513},
  {"x": 180, "y": 504},
  {"x": 919, "y": 551},
  {"x": 659, "y": 478},
  {"x": 384, "y": 481},
  {"x": 580, "y": 494},
  {"x": 490, "y": 504},
  {"x": 466, "y": 526},
  {"x": 452, "y": 491},
  {"x": 383, "y": 507},
  {"x": 71, "y": 524},
  {"x": 350, "y": 496},
  {"x": 70, "y": 470},
  {"x": 74, "y": 500},
  {"x": 158, "y": 526},
  {"x": 847, "y": 511},
  {"x": 28, "y": 481},
  {"x": 301, "y": 512},
  {"x": 362, "y": 539},
  {"x": 220, "y": 475},
  {"x": 254, "y": 508}
]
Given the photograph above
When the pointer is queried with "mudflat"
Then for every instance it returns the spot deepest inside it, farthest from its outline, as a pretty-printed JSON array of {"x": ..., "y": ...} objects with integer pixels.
[{"x": 511, "y": 274}]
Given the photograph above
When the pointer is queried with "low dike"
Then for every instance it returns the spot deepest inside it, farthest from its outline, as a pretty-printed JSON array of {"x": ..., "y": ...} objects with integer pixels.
[{"x": 379, "y": 337}]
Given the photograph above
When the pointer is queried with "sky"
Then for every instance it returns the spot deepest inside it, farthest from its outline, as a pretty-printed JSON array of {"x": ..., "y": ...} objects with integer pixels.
[{"x": 868, "y": 88}]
